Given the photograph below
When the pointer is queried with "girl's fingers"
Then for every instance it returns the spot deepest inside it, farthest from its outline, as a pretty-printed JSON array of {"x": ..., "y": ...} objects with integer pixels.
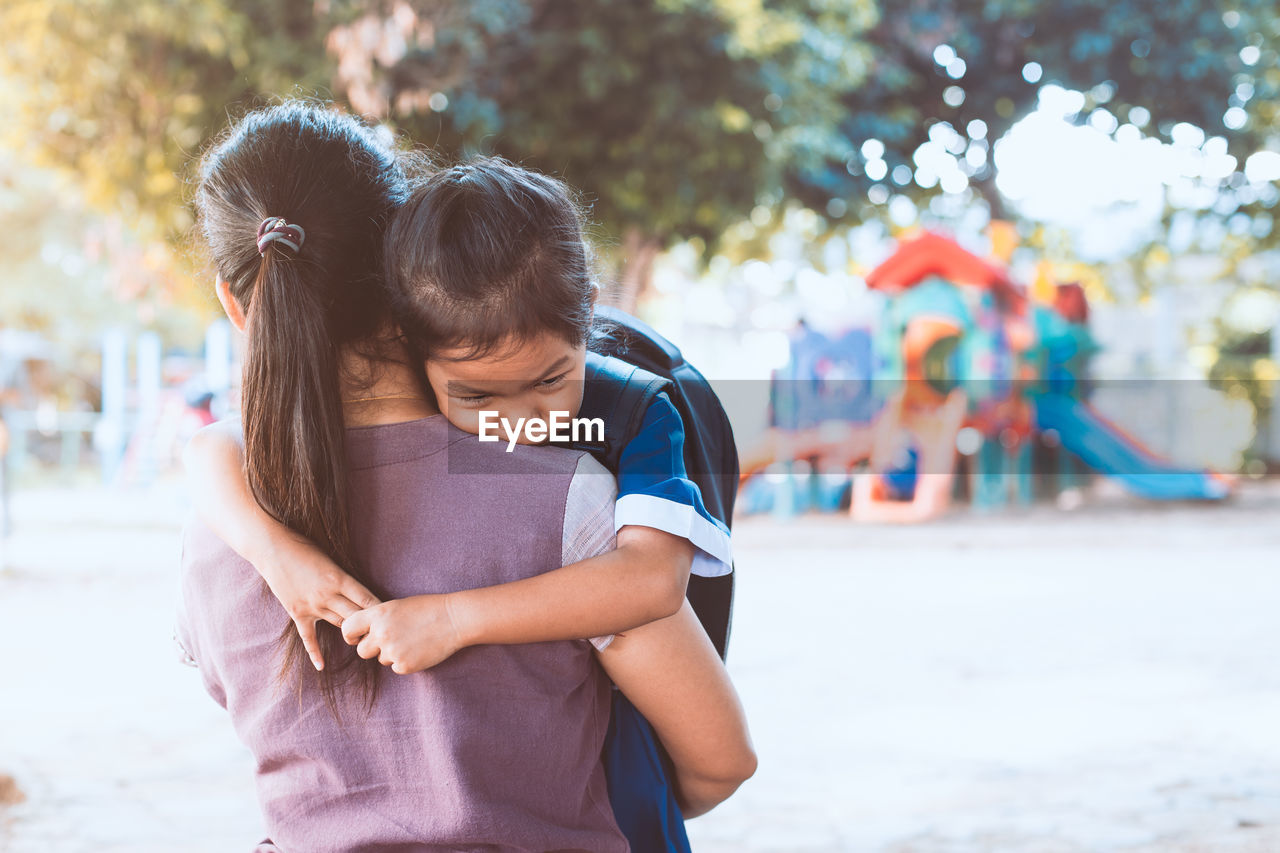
[
  {"x": 358, "y": 595},
  {"x": 344, "y": 606},
  {"x": 368, "y": 648},
  {"x": 332, "y": 617},
  {"x": 355, "y": 626},
  {"x": 310, "y": 642}
]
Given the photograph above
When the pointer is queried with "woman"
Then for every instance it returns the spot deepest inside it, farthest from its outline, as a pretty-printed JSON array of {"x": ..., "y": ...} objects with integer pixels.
[{"x": 499, "y": 746}]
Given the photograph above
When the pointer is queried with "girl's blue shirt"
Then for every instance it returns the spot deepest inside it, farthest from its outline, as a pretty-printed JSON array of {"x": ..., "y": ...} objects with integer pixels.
[{"x": 654, "y": 490}]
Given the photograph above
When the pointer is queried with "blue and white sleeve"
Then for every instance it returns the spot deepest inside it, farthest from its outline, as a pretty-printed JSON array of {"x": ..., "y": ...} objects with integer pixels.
[{"x": 654, "y": 490}]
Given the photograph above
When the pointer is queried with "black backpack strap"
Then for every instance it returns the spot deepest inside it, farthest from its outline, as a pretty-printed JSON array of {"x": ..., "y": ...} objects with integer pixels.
[{"x": 619, "y": 394}]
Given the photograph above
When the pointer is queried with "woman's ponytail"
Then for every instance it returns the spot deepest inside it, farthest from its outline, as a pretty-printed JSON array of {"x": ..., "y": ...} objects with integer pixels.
[
  {"x": 292, "y": 204},
  {"x": 291, "y": 409}
]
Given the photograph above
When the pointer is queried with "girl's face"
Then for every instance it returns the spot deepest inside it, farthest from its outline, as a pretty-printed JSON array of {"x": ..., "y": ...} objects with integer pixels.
[{"x": 524, "y": 379}]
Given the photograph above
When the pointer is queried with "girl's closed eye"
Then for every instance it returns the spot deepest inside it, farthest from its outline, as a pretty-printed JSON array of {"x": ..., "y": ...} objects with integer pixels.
[
  {"x": 552, "y": 382},
  {"x": 475, "y": 400}
]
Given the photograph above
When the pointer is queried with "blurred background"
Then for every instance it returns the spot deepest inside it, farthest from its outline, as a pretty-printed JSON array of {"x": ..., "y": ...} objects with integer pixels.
[{"x": 988, "y": 289}]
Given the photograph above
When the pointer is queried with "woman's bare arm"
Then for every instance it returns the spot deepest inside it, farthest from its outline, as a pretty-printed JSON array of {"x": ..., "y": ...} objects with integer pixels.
[{"x": 672, "y": 674}]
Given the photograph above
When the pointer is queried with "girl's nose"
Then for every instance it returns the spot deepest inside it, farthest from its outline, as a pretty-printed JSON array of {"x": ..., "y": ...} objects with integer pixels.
[{"x": 529, "y": 413}]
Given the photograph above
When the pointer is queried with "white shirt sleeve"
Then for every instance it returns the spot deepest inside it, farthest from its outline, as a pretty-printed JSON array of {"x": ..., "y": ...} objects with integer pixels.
[{"x": 588, "y": 519}]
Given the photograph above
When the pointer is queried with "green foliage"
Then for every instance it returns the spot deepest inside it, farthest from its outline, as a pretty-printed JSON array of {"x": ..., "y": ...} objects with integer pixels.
[
  {"x": 1176, "y": 60},
  {"x": 674, "y": 117},
  {"x": 70, "y": 271},
  {"x": 123, "y": 94},
  {"x": 1150, "y": 62}
]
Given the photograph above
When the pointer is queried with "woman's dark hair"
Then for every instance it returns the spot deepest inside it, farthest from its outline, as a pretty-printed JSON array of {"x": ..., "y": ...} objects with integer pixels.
[
  {"x": 336, "y": 179},
  {"x": 486, "y": 253}
]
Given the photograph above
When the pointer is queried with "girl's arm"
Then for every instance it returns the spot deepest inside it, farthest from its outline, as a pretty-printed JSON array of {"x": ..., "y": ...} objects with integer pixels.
[
  {"x": 642, "y": 580},
  {"x": 309, "y": 585},
  {"x": 672, "y": 674}
]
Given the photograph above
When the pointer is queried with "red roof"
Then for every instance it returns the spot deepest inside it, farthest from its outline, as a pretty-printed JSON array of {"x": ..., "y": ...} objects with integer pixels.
[{"x": 932, "y": 254}]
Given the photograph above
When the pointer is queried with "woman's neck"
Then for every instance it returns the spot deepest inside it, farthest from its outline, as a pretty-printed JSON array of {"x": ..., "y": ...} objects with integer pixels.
[{"x": 382, "y": 390}]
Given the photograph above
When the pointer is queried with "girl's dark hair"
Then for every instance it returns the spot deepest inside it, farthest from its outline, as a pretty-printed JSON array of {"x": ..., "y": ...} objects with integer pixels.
[
  {"x": 336, "y": 178},
  {"x": 487, "y": 253}
]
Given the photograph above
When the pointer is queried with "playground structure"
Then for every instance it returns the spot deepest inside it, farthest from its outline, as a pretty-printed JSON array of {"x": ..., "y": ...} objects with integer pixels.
[
  {"x": 149, "y": 404},
  {"x": 967, "y": 386}
]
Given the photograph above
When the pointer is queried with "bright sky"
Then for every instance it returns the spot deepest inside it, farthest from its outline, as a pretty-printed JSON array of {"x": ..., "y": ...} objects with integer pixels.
[{"x": 1108, "y": 181}]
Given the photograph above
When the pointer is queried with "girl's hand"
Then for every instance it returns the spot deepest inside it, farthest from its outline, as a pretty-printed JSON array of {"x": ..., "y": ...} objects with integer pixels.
[
  {"x": 408, "y": 634},
  {"x": 311, "y": 587}
]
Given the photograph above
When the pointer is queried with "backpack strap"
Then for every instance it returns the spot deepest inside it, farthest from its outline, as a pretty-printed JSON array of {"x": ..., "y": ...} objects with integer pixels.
[{"x": 619, "y": 394}]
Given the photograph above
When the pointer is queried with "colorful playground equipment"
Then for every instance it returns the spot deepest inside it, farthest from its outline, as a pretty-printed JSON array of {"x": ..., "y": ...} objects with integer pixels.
[{"x": 968, "y": 386}]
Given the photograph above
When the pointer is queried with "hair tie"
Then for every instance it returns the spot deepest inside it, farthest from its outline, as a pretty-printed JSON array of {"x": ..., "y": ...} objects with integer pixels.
[{"x": 274, "y": 229}]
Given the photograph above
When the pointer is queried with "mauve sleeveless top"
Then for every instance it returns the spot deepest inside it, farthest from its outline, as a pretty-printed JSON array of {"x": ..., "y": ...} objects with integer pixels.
[{"x": 497, "y": 748}]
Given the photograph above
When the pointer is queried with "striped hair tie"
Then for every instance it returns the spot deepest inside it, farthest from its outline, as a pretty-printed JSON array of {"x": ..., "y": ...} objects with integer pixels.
[{"x": 274, "y": 229}]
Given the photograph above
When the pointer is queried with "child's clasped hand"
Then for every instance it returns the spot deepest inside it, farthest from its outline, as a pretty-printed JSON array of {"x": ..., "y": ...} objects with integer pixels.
[{"x": 407, "y": 634}]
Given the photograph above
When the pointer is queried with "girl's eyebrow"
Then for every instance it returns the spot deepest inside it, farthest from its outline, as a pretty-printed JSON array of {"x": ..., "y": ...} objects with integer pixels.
[
  {"x": 555, "y": 367},
  {"x": 462, "y": 389}
]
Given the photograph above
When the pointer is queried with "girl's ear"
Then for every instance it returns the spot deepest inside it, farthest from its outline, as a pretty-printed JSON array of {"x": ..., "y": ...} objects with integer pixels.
[{"x": 229, "y": 304}]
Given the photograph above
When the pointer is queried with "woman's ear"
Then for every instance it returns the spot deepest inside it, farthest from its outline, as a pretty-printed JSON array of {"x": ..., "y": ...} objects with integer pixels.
[{"x": 229, "y": 304}]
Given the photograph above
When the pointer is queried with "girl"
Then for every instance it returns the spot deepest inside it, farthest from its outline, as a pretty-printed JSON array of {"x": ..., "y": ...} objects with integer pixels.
[{"x": 317, "y": 188}]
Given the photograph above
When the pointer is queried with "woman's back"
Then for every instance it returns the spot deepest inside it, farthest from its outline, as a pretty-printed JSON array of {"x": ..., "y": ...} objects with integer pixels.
[{"x": 498, "y": 747}]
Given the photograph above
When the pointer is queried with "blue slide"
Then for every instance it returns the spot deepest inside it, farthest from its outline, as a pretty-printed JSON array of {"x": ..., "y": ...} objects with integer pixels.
[{"x": 1107, "y": 450}]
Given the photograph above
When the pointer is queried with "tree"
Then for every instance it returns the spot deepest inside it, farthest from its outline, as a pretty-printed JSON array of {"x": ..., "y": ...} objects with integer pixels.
[
  {"x": 124, "y": 94},
  {"x": 70, "y": 270},
  {"x": 979, "y": 67},
  {"x": 674, "y": 117}
]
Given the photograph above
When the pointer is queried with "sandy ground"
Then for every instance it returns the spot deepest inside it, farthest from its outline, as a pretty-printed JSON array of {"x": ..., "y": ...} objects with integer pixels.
[{"x": 1044, "y": 682}]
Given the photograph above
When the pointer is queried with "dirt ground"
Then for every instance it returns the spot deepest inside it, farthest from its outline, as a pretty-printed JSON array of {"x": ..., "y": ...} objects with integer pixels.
[{"x": 1037, "y": 682}]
